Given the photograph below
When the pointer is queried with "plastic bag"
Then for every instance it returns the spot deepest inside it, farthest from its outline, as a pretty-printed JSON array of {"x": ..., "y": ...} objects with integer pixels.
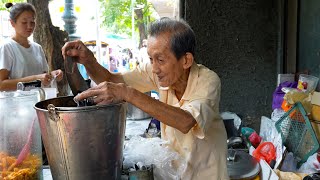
[
  {"x": 277, "y": 114},
  {"x": 312, "y": 165},
  {"x": 289, "y": 163},
  {"x": 293, "y": 96},
  {"x": 268, "y": 130},
  {"x": 236, "y": 119},
  {"x": 278, "y": 94},
  {"x": 168, "y": 164}
]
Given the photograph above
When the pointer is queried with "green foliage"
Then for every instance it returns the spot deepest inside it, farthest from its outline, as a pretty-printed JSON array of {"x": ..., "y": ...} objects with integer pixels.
[
  {"x": 117, "y": 15},
  {"x": 3, "y": 2}
]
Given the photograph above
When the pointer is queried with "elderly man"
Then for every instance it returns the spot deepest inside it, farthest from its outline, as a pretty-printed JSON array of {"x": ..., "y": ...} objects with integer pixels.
[{"x": 189, "y": 96}]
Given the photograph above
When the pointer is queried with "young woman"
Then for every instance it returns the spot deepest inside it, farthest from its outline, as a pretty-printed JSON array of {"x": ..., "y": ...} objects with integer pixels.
[{"x": 22, "y": 60}]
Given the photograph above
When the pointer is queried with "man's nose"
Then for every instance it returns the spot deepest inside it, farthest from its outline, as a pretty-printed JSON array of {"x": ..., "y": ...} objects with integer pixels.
[{"x": 155, "y": 68}]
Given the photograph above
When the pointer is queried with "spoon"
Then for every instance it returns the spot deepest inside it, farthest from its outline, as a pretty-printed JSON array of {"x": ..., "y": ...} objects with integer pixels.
[{"x": 26, "y": 148}]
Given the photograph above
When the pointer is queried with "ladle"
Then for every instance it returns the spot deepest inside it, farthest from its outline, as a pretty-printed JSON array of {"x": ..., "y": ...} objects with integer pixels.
[
  {"x": 26, "y": 148},
  {"x": 75, "y": 79}
]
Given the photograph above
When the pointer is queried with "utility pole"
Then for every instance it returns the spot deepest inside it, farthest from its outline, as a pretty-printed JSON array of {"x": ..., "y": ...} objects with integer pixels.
[{"x": 70, "y": 19}]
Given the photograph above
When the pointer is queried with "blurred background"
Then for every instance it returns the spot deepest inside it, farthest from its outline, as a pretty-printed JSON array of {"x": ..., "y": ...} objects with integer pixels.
[{"x": 113, "y": 30}]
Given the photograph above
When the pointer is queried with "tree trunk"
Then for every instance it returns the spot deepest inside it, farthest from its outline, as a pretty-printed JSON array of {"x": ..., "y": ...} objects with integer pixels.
[
  {"x": 141, "y": 26},
  {"x": 51, "y": 39}
]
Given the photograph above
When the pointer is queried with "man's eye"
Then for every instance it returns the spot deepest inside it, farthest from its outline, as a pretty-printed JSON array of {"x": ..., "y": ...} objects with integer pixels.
[{"x": 151, "y": 60}]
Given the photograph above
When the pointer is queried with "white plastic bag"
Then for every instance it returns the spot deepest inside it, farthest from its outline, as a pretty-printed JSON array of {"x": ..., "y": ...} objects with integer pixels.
[
  {"x": 312, "y": 165},
  {"x": 168, "y": 164},
  {"x": 234, "y": 116}
]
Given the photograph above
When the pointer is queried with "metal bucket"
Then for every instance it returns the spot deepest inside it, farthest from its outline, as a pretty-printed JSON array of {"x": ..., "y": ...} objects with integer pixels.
[{"x": 82, "y": 142}]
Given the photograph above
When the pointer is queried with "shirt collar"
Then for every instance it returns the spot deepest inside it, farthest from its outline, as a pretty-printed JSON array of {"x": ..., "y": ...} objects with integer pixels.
[{"x": 192, "y": 81}]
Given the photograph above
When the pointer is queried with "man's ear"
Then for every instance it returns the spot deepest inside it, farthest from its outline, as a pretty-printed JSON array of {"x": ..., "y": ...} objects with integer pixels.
[{"x": 188, "y": 60}]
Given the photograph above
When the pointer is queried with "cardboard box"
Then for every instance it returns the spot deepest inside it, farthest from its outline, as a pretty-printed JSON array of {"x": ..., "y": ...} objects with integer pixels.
[
  {"x": 285, "y": 77},
  {"x": 315, "y": 98},
  {"x": 315, "y": 112}
]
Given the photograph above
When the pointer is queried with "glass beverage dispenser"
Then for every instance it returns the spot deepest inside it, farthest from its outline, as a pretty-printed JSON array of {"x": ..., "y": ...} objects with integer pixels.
[{"x": 20, "y": 137}]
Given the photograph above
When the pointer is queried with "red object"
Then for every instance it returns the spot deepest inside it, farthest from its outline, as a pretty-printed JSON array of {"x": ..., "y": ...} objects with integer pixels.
[
  {"x": 266, "y": 151},
  {"x": 254, "y": 139},
  {"x": 305, "y": 85}
]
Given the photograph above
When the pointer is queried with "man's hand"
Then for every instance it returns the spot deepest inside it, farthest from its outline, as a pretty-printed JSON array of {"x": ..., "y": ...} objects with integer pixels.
[
  {"x": 105, "y": 93},
  {"x": 78, "y": 51}
]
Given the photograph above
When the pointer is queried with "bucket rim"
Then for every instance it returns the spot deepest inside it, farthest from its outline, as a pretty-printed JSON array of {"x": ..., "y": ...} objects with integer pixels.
[{"x": 75, "y": 109}]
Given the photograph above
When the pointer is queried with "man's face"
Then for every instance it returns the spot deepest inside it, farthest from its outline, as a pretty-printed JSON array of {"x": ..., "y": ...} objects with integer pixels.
[
  {"x": 25, "y": 24},
  {"x": 164, "y": 64}
]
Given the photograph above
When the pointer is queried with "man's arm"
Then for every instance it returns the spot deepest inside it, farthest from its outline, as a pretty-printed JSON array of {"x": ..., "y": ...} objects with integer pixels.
[
  {"x": 167, "y": 114},
  {"x": 100, "y": 74},
  {"x": 83, "y": 55},
  {"x": 108, "y": 93}
]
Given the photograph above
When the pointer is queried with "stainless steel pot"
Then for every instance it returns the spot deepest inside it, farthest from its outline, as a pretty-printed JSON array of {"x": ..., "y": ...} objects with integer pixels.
[
  {"x": 82, "y": 142},
  {"x": 134, "y": 113},
  {"x": 242, "y": 165}
]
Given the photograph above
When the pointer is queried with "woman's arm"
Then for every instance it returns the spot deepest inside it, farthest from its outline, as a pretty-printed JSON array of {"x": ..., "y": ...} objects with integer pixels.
[{"x": 7, "y": 84}]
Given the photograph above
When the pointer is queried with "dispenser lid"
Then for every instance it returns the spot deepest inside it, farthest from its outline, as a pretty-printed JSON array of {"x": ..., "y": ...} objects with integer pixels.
[
  {"x": 242, "y": 165},
  {"x": 17, "y": 94}
]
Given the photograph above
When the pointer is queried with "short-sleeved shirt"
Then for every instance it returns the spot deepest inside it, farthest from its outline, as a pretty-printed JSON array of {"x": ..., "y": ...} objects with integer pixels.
[
  {"x": 21, "y": 61},
  {"x": 204, "y": 147}
]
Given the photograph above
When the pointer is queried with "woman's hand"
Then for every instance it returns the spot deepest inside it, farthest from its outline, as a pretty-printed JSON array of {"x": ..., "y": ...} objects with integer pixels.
[
  {"x": 105, "y": 93},
  {"x": 45, "y": 78},
  {"x": 58, "y": 74},
  {"x": 78, "y": 51}
]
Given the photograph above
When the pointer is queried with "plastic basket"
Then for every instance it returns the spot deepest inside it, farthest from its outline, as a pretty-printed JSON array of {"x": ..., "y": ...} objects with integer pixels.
[{"x": 297, "y": 133}]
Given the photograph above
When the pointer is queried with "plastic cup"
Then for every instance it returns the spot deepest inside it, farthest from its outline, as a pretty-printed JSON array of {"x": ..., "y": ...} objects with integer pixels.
[
  {"x": 50, "y": 92},
  {"x": 307, "y": 82}
]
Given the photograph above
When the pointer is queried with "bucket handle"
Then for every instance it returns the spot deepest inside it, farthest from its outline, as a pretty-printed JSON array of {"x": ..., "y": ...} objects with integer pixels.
[{"x": 52, "y": 113}]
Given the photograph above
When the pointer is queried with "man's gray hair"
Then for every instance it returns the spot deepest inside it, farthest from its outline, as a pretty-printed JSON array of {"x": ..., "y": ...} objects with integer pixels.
[{"x": 182, "y": 40}]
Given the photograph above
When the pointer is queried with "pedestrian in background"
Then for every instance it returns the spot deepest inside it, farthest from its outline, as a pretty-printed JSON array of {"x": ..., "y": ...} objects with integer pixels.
[{"x": 143, "y": 54}]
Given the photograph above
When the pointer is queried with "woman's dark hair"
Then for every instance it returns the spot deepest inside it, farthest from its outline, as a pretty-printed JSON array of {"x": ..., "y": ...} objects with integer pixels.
[
  {"x": 182, "y": 40},
  {"x": 18, "y": 8}
]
